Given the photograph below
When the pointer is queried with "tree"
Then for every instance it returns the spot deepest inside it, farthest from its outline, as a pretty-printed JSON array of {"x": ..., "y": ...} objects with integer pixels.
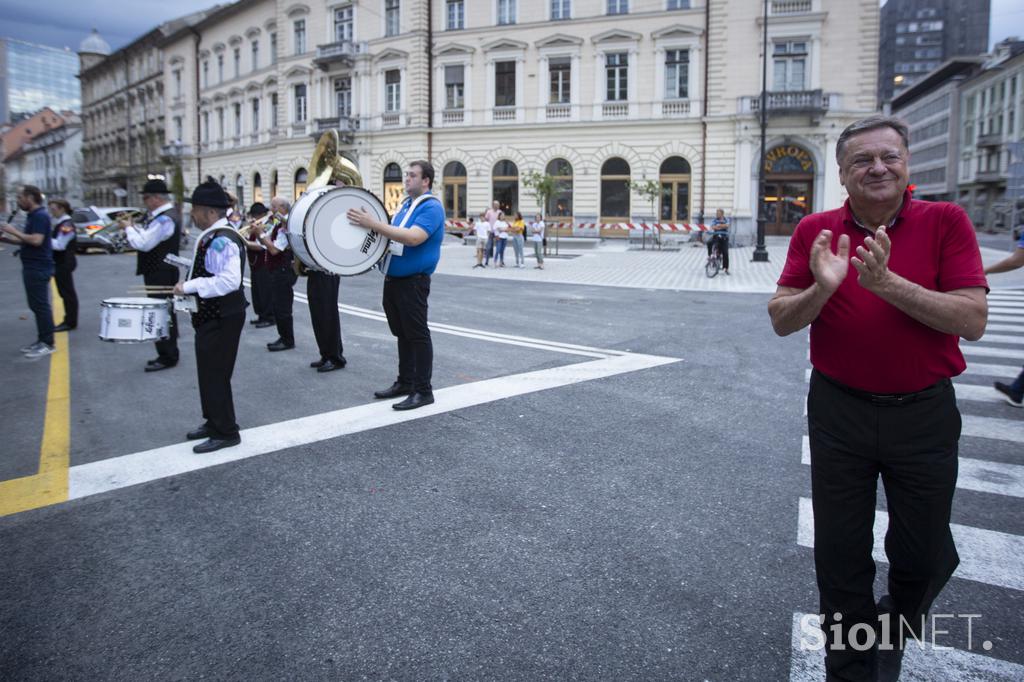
[
  {"x": 650, "y": 190},
  {"x": 542, "y": 187}
]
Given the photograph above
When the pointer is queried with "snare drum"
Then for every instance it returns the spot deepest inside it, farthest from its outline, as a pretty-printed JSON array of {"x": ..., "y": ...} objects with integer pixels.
[
  {"x": 134, "y": 320},
  {"x": 321, "y": 236}
]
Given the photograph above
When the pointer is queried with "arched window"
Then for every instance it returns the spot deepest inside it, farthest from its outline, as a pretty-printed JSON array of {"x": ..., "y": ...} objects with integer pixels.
[
  {"x": 455, "y": 191},
  {"x": 505, "y": 186},
  {"x": 257, "y": 188},
  {"x": 615, "y": 191},
  {"x": 560, "y": 201},
  {"x": 301, "y": 177},
  {"x": 674, "y": 176},
  {"x": 240, "y": 192},
  {"x": 393, "y": 188}
]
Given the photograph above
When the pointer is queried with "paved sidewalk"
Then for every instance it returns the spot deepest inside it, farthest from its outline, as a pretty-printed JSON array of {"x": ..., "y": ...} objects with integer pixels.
[{"x": 614, "y": 264}]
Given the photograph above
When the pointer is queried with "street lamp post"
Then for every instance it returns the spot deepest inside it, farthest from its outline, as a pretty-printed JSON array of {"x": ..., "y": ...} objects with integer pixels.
[{"x": 760, "y": 252}]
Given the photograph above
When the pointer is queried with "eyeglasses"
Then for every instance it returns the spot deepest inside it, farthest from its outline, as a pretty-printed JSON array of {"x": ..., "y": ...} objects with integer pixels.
[{"x": 411, "y": 174}]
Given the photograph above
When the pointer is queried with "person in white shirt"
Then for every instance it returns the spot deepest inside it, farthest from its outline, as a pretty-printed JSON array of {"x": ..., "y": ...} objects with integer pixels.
[
  {"x": 482, "y": 230},
  {"x": 282, "y": 274},
  {"x": 500, "y": 240},
  {"x": 537, "y": 238},
  {"x": 216, "y": 281},
  {"x": 157, "y": 236},
  {"x": 63, "y": 244}
]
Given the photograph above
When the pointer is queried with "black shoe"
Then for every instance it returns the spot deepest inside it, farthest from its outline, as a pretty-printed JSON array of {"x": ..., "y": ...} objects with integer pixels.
[
  {"x": 260, "y": 324},
  {"x": 318, "y": 363},
  {"x": 64, "y": 327},
  {"x": 212, "y": 444},
  {"x": 1011, "y": 396},
  {"x": 279, "y": 345},
  {"x": 396, "y": 390},
  {"x": 153, "y": 362},
  {"x": 255, "y": 321},
  {"x": 331, "y": 365},
  {"x": 415, "y": 400},
  {"x": 156, "y": 366},
  {"x": 202, "y": 432}
]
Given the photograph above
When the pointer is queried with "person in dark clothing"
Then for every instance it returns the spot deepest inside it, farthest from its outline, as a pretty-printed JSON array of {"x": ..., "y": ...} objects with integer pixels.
[
  {"x": 282, "y": 274},
  {"x": 157, "y": 236},
  {"x": 64, "y": 260},
  {"x": 36, "y": 254},
  {"x": 216, "y": 280},
  {"x": 262, "y": 301},
  {"x": 322, "y": 292}
]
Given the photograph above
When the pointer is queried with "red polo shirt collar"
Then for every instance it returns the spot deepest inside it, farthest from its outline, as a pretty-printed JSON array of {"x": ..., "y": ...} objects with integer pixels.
[{"x": 846, "y": 213}]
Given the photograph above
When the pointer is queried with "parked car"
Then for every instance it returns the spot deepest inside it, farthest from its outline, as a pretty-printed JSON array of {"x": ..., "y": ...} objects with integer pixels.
[{"x": 91, "y": 223}]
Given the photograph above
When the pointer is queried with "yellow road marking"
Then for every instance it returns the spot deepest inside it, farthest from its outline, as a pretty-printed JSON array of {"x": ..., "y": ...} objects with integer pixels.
[{"x": 50, "y": 485}]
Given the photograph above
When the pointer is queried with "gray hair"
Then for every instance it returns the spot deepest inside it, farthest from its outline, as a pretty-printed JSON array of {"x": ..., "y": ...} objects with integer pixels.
[
  {"x": 872, "y": 123},
  {"x": 281, "y": 201}
]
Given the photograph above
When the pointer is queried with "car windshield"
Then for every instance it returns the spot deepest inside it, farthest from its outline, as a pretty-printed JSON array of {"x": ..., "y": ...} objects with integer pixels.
[{"x": 84, "y": 215}]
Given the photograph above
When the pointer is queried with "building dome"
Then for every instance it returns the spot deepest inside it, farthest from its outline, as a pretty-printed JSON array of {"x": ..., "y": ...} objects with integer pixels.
[{"x": 94, "y": 44}]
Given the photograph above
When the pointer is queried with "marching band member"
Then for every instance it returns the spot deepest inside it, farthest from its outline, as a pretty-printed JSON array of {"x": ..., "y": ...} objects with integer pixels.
[
  {"x": 282, "y": 275},
  {"x": 261, "y": 300},
  {"x": 217, "y": 273},
  {"x": 159, "y": 235},
  {"x": 322, "y": 293},
  {"x": 419, "y": 227},
  {"x": 63, "y": 243}
]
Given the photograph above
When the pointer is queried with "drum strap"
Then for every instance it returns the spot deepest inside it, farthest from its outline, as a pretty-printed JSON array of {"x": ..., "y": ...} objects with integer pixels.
[{"x": 386, "y": 261}]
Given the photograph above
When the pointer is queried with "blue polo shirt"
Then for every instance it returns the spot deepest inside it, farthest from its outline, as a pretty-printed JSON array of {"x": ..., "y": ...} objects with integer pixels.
[
  {"x": 37, "y": 257},
  {"x": 421, "y": 259}
]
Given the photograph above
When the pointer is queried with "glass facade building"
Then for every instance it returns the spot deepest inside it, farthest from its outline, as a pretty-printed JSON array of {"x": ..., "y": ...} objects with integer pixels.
[{"x": 36, "y": 76}]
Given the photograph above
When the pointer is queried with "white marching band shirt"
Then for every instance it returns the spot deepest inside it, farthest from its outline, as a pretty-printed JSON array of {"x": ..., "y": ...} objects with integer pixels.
[
  {"x": 67, "y": 233},
  {"x": 224, "y": 261},
  {"x": 160, "y": 228}
]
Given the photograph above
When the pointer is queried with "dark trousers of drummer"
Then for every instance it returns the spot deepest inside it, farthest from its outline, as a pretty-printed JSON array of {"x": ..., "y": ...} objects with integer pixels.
[
  {"x": 64, "y": 265},
  {"x": 262, "y": 297},
  {"x": 322, "y": 291},
  {"x": 912, "y": 445},
  {"x": 405, "y": 304},
  {"x": 166, "y": 349},
  {"x": 216, "y": 350},
  {"x": 281, "y": 282}
]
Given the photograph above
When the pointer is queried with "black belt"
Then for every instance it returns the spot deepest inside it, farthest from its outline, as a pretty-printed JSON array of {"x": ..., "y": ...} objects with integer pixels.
[
  {"x": 890, "y": 398},
  {"x": 418, "y": 275}
]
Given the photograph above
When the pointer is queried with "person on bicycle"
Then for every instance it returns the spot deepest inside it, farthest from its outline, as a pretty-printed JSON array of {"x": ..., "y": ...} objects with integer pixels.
[{"x": 720, "y": 236}]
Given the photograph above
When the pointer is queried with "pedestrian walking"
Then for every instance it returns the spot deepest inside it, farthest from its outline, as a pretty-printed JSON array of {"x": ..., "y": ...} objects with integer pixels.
[
  {"x": 1013, "y": 393},
  {"x": 36, "y": 253},
  {"x": 537, "y": 239},
  {"x": 884, "y": 345}
]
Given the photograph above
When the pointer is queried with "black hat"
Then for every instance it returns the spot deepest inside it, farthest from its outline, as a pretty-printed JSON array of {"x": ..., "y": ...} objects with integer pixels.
[
  {"x": 210, "y": 194},
  {"x": 258, "y": 209},
  {"x": 155, "y": 186}
]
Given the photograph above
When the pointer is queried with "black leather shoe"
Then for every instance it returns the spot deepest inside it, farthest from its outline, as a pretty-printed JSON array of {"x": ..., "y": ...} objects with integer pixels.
[
  {"x": 279, "y": 345},
  {"x": 415, "y": 400},
  {"x": 396, "y": 390},
  {"x": 318, "y": 363},
  {"x": 159, "y": 365},
  {"x": 153, "y": 362},
  {"x": 64, "y": 327},
  {"x": 212, "y": 444},
  {"x": 260, "y": 324},
  {"x": 330, "y": 366},
  {"x": 200, "y": 433}
]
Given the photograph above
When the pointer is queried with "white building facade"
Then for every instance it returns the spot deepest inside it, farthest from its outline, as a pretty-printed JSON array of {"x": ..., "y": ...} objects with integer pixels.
[
  {"x": 52, "y": 162},
  {"x": 598, "y": 94}
]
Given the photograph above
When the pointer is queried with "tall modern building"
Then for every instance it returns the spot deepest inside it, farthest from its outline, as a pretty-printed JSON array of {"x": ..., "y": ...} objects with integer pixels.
[
  {"x": 36, "y": 76},
  {"x": 919, "y": 35}
]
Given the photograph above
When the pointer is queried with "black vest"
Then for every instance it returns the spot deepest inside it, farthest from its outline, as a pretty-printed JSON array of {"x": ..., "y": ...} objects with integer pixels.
[
  {"x": 153, "y": 260},
  {"x": 67, "y": 256},
  {"x": 228, "y": 304}
]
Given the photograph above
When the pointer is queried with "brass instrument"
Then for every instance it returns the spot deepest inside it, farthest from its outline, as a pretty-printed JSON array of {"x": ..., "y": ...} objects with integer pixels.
[
  {"x": 249, "y": 225},
  {"x": 123, "y": 219},
  {"x": 330, "y": 167}
]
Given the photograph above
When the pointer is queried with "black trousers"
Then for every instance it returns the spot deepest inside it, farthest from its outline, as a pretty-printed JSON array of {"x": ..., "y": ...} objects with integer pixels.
[
  {"x": 281, "y": 282},
  {"x": 405, "y": 304},
  {"x": 167, "y": 349},
  {"x": 723, "y": 248},
  {"x": 66, "y": 288},
  {"x": 216, "y": 350},
  {"x": 322, "y": 291},
  {"x": 262, "y": 300},
  {"x": 913, "y": 445},
  {"x": 37, "y": 291}
]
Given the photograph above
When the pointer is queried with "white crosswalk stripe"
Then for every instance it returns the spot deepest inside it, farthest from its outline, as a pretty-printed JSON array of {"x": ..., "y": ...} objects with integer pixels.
[
  {"x": 991, "y": 370},
  {"x": 975, "y": 350},
  {"x": 1001, "y": 338},
  {"x": 1019, "y": 328},
  {"x": 977, "y": 393},
  {"x": 997, "y": 429}
]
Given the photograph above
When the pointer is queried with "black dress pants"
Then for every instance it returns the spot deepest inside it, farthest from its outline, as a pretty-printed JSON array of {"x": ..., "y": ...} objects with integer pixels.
[
  {"x": 322, "y": 291},
  {"x": 262, "y": 300},
  {"x": 216, "y": 350},
  {"x": 167, "y": 349},
  {"x": 281, "y": 282},
  {"x": 66, "y": 287},
  {"x": 723, "y": 248},
  {"x": 913, "y": 446},
  {"x": 405, "y": 304}
]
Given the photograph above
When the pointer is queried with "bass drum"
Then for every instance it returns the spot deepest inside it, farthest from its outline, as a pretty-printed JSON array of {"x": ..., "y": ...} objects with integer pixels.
[{"x": 321, "y": 236}]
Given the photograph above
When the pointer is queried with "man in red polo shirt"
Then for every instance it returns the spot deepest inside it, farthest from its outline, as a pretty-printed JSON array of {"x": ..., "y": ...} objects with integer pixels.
[{"x": 884, "y": 344}]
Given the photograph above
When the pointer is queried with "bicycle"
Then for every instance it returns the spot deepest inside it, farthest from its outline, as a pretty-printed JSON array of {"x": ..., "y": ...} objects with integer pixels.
[{"x": 714, "y": 262}]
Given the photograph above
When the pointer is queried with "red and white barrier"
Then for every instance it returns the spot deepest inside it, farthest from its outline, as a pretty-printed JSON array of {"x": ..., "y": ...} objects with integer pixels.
[{"x": 660, "y": 227}]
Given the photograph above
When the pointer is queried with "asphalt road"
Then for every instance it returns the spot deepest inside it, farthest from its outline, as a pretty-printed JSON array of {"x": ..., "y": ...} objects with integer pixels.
[{"x": 639, "y": 526}]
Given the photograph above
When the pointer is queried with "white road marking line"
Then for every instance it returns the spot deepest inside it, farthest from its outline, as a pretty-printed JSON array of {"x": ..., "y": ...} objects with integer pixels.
[
  {"x": 986, "y": 352},
  {"x": 977, "y": 393},
  {"x": 919, "y": 665},
  {"x": 986, "y": 556},
  {"x": 1011, "y": 430},
  {"x": 1005, "y": 310},
  {"x": 119, "y": 472},
  {"x": 1006, "y": 303},
  {"x": 1001, "y": 338},
  {"x": 1004, "y": 328},
  {"x": 1010, "y": 371}
]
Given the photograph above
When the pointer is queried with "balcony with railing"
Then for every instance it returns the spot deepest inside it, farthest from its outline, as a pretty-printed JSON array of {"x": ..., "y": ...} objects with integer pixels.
[
  {"x": 615, "y": 110},
  {"x": 504, "y": 114},
  {"x": 390, "y": 119},
  {"x": 345, "y": 125},
  {"x": 558, "y": 112},
  {"x": 340, "y": 52},
  {"x": 813, "y": 102},
  {"x": 453, "y": 117},
  {"x": 990, "y": 176},
  {"x": 990, "y": 140},
  {"x": 784, "y": 7},
  {"x": 678, "y": 108}
]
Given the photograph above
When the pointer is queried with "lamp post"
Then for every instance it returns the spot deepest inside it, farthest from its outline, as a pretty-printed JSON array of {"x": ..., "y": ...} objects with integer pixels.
[{"x": 760, "y": 252}]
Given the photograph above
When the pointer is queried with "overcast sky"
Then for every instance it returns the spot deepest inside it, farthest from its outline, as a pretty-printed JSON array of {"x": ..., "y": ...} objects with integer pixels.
[{"x": 65, "y": 23}]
